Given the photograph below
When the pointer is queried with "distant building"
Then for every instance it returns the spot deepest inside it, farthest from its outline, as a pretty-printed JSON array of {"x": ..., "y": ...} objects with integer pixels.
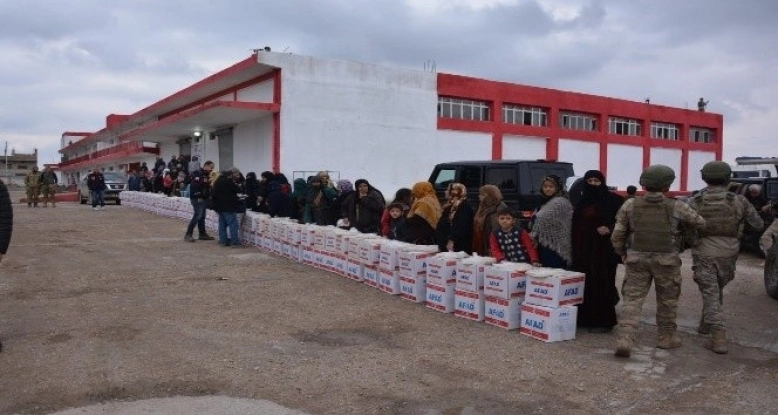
[
  {"x": 18, "y": 165},
  {"x": 301, "y": 114}
]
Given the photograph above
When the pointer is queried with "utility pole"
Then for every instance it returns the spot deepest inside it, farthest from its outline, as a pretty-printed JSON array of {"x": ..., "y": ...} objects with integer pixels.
[{"x": 6, "y": 164}]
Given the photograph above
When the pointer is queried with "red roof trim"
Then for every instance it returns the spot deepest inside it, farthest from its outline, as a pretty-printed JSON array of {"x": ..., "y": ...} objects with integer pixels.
[{"x": 259, "y": 106}]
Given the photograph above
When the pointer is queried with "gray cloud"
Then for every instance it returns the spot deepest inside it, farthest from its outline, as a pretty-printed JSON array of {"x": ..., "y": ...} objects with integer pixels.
[{"x": 68, "y": 64}]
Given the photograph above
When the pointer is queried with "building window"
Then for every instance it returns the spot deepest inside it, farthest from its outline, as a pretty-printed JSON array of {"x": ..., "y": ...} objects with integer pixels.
[
  {"x": 664, "y": 131},
  {"x": 700, "y": 135},
  {"x": 463, "y": 109},
  {"x": 515, "y": 114},
  {"x": 624, "y": 126},
  {"x": 577, "y": 121},
  {"x": 22, "y": 167}
]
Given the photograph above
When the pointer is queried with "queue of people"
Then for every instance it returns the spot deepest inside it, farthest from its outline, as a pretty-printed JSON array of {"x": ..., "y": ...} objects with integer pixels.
[{"x": 594, "y": 236}]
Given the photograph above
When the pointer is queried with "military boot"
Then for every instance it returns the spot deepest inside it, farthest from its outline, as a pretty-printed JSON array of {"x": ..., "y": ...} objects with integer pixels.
[
  {"x": 668, "y": 339},
  {"x": 718, "y": 341},
  {"x": 624, "y": 345},
  {"x": 703, "y": 328}
]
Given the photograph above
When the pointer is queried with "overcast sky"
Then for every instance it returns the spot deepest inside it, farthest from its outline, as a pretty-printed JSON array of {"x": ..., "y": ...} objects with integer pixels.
[{"x": 66, "y": 64}]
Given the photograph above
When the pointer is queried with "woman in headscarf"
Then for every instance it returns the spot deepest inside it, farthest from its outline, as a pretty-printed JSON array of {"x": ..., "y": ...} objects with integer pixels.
[
  {"x": 298, "y": 198},
  {"x": 252, "y": 191},
  {"x": 592, "y": 253},
  {"x": 455, "y": 229},
  {"x": 363, "y": 208},
  {"x": 485, "y": 221},
  {"x": 551, "y": 224},
  {"x": 318, "y": 201},
  {"x": 423, "y": 217},
  {"x": 345, "y": 189},
  {"x": 404, "y": 197}
]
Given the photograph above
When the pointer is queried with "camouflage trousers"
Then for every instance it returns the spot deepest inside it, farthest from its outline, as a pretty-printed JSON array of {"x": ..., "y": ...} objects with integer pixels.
[
  {"x": 32, "y": 194},
  {"x": 711, "y": 276},
  {"x": 642, "y": 269},
  {"x": 48, "y": 191}
]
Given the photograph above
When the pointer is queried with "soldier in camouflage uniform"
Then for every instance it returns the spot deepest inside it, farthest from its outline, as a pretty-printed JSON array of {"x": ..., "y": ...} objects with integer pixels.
[
  {"x": 32, "y": 182},
  {"x": 766, "y": 241},
  {"x": 715, "y": 252},
  {"x": 645, "y": 236},
  {"x": 48, "y": 187}
]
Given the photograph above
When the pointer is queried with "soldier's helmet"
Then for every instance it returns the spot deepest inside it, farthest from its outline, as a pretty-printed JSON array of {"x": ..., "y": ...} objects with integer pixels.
[
  {"x": 716, "y": 170},
  {"x": 657, "y": 177}
]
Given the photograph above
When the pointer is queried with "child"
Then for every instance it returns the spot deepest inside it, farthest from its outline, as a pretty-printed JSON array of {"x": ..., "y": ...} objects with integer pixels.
[
  {"x": 397, "y": 229},
  {"x": 510, "y": 242}
]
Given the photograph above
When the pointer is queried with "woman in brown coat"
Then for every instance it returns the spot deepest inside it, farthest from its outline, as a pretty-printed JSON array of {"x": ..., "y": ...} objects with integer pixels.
[{"x": 490, "y": 201}]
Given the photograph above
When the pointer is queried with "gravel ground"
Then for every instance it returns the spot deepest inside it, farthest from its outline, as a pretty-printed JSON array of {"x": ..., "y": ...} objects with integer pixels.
[{"x": 113, "y": 306}]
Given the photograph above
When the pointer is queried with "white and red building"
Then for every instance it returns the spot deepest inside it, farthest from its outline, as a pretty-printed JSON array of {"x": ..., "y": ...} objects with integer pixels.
[{"x": 301, "y": 114}]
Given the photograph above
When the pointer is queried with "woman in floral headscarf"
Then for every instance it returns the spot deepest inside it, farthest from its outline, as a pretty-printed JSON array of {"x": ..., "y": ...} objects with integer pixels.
[
  {"x": 423, "y": 218},
  {"x": 455, "y": 228},
  {"x": 490, "y": 201}
]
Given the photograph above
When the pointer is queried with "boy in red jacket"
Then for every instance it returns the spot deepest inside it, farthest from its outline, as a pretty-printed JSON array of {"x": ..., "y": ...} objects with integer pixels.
[{"x": 510, "y": 242}]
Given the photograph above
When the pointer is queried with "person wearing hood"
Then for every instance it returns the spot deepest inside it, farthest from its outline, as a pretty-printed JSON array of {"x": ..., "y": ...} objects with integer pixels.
[
  {"x": 298, "y": 198},
  {"x": 485, "y": 221},
  {"x": 263, "y": 189},
  {"x": 363, "y": 208},
  {"x": 318, "y": 201},
  {"x": 551, "y": 224},
  {"x": 345, "y": 189},
  {"x": 424, "y": 215},
  {"x": 592, "y": 252},
  {"x": 455, "y": 228},
  {"x": 279, "y": 204},
  {"x": 252, "y": 192}
]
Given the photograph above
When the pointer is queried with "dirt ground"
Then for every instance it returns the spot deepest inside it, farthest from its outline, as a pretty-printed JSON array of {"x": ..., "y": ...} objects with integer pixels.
[{"x": 114, "y": 306}]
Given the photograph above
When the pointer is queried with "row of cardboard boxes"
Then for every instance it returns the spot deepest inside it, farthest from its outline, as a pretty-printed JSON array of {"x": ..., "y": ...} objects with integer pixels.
[{"x": 540, "y": 302}]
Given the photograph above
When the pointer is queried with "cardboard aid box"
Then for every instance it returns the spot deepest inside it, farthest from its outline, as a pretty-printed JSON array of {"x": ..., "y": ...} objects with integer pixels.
[
  {"x": 506, "y": 280},
  {"x": 413, "y": 262},
  {"x": 354, "y": 270},
  {"x": 440, "y": 297},
  {"x": 370, "y": 250},
  {"x": 307, "y": 235},
  {"x": 388, "y": 257},
  {"x": 413, "y": 288},
  {"x": 501, "y": 312},
  {"x": 469, "y": 305},
  {"x": 550, "y": 287},
  {"x": 389, "y": 281},
  {"x": 370, "y": 276},
  {"x": 306, "y": 255},
  {"x": 442, "y": 268},
  {"x": 548, "y": 324},
  {"x": 340, "y": 264},
  {"x": 470, "y": 273}
]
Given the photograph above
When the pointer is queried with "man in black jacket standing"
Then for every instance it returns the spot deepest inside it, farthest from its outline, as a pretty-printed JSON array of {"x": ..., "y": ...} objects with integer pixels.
[
  {"x": 225, "y": 203},
  {"x": 199, "y": 193},
  {"x": 6, "y": 223}
]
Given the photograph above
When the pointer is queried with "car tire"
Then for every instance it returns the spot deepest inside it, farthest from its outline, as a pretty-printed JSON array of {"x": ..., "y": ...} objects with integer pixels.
[
  {"x": 771, "y": 273},
  {"x": 118, "y": 202}
]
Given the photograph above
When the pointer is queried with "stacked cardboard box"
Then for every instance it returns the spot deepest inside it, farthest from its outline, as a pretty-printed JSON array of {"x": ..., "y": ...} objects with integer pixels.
[
  {"x": 412, "y": 269},
  {"x": 441, "y": 280},
  {"x": 549, "y": 313},
  {"x": 469, "y": 298},
  {"x": 504, "y": 286}
]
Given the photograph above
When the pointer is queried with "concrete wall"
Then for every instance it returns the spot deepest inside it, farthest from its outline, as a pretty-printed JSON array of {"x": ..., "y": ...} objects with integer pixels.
[
  {"x": 515, "y": 147},
  {"x": 366, "y": 121},
  {"x": 625, "y": 163},
  {"x": 583, "y": 154},
  {"x": 253, "y": 145},
  {"x": 697, "y": 159},
  {"x": 262, "y": 92}
]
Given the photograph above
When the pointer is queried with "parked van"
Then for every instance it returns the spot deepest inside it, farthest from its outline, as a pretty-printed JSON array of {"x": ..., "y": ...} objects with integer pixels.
[{"x": 518, "y": 180}]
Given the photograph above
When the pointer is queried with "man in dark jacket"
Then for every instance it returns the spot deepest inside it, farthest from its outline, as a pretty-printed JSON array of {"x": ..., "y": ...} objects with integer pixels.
[
  {"x": 6, "y": 223},
  {"x": 225, "y": 203},
  {"x": 199, "y": 193},
  {"x": 96, "y": 184}
]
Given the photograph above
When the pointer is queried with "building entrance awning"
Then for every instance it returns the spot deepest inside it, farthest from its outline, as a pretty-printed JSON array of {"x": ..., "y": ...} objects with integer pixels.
[{"x": 207, "y": 117}]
